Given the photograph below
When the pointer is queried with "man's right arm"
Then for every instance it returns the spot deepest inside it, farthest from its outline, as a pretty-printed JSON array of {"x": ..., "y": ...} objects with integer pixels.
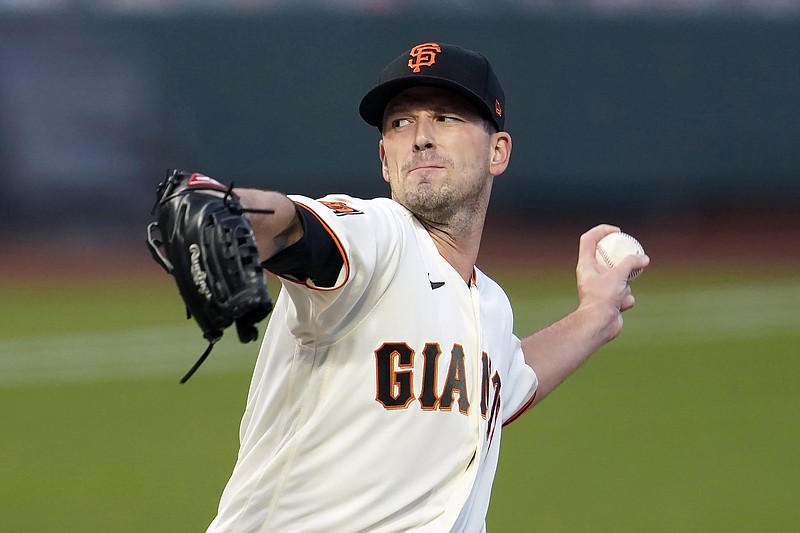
[
  {"x": 293, "y": 242},
  {"x": 273, "y": 232}
]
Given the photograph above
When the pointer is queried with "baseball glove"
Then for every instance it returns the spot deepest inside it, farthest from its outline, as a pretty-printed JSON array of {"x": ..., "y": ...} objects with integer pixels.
[{"x": 202, "y": 238}]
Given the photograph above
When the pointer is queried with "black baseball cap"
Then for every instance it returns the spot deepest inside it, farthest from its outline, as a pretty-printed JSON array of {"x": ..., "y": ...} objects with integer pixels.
[{"x": 446, "y": 66}]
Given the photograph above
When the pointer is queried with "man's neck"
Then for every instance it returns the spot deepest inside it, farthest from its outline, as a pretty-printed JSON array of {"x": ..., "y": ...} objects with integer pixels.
[{"x": 459, "y": 248}]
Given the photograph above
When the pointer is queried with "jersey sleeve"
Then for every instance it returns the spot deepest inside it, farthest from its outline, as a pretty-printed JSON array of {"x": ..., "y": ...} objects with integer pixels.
[
  {"x": 316, "y": 259},
  {"x": 331, "y": 277},
  {"x": 523, "y": 383}
]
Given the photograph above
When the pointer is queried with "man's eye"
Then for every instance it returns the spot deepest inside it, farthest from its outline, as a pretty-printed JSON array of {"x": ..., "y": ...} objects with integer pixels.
[
  {"x": 447, "y": 119},
  {"x": 400, "y": 122}
]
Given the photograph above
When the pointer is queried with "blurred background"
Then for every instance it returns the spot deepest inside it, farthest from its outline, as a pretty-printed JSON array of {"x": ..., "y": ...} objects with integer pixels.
[
  {"x": 619, "y": 109},
  {"x": 678, "y": 120}
]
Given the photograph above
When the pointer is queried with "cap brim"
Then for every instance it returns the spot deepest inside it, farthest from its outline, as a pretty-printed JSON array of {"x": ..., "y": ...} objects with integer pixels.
[{"x": 374, "y": 103}]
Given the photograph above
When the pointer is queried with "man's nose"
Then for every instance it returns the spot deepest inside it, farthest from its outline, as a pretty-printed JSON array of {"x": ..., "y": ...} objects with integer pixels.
[{"x": 424, "y": 136}]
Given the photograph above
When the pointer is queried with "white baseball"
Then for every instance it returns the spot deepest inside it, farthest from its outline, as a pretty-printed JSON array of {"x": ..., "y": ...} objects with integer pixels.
[{"x": 615, "y": 247}]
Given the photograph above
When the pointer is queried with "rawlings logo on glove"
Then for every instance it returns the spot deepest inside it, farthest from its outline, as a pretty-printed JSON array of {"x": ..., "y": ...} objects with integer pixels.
[
  {"x": 203, "y": 239},
  {"x": 198, "y": 275}
]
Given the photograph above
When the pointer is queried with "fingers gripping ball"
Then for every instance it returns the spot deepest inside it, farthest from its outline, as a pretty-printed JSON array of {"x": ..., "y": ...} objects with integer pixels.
[
  {"x": 615, "y": 247},
  {"x": 203, "y": 239}
]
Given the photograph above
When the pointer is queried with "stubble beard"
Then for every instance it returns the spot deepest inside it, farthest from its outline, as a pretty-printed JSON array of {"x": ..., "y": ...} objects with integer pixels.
[
  {"x": 449, "y": 205},
  {"x": 428, "y": 203}
]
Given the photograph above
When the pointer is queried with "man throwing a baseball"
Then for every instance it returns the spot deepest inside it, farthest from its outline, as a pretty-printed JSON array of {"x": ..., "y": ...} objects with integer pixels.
[{"x": 389, "y": 366}]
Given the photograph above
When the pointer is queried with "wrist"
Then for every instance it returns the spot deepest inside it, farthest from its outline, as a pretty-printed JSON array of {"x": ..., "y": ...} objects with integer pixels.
[{"x": 601, "y": 322}]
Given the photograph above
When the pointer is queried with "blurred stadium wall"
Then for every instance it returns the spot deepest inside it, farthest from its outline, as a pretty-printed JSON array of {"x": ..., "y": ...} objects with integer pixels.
[{"x": 616, "y": 110}]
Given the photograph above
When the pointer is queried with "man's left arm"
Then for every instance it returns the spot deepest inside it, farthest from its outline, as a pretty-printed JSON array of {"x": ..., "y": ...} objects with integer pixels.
[{"x": 559, "y": 350}]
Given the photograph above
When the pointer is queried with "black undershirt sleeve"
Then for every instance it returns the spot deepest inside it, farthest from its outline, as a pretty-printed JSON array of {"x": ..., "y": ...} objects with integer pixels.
[{"x": 315, "y": 256}]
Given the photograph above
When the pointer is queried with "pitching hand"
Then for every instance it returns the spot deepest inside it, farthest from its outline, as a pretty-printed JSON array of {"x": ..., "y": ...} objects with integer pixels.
[{"x": 606, "y": 293}]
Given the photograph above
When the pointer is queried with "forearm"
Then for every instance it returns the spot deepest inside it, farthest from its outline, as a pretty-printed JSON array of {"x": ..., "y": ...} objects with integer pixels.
[
  {"x": 603, "y": 295},
  {"x": 273, "y": 232},
  {"x": 557, "y": 351}
]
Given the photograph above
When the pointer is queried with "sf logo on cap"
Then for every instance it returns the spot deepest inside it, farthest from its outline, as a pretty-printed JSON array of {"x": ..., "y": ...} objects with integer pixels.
[{"x": 423, "y": 55}]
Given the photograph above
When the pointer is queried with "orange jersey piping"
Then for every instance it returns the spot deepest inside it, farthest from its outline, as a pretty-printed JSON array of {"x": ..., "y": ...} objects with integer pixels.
[
  {"x": 338, "y": 246},
  {"x": 522, "y": 410}
]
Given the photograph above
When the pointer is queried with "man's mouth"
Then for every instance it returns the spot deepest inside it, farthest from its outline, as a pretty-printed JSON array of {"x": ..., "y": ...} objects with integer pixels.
[{"x": 425, "y": 164}]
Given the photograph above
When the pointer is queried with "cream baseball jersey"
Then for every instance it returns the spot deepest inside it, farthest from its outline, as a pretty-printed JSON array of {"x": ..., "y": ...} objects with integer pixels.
[{"x": 377, "y": 403}]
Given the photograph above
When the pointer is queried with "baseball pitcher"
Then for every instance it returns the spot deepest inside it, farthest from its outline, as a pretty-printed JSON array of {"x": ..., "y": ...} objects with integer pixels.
[{"x": 389, "y": 365}]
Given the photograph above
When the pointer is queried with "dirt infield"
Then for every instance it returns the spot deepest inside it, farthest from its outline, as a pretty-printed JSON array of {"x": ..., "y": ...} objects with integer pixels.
[{"x": 762, "y": 239}]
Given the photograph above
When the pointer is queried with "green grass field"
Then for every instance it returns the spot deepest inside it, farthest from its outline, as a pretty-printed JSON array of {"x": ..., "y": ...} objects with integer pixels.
[{"x": 689, "y": 422}]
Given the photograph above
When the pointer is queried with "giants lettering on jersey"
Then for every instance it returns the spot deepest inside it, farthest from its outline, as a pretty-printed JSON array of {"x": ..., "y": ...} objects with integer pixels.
[{"x": 394, "y": 367}]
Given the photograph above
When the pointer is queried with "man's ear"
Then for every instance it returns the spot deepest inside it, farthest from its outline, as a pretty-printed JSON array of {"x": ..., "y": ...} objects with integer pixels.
[
  {"x": 384, "y": 166},
  {"x": 501, "y": 153}
]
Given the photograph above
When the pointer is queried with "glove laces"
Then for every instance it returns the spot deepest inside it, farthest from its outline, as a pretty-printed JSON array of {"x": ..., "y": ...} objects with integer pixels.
[{"x": 199, "y": 362}]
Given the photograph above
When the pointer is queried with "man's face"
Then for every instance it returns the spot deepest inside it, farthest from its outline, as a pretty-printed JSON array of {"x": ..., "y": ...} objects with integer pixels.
[{"x": 436, "y": 153}]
